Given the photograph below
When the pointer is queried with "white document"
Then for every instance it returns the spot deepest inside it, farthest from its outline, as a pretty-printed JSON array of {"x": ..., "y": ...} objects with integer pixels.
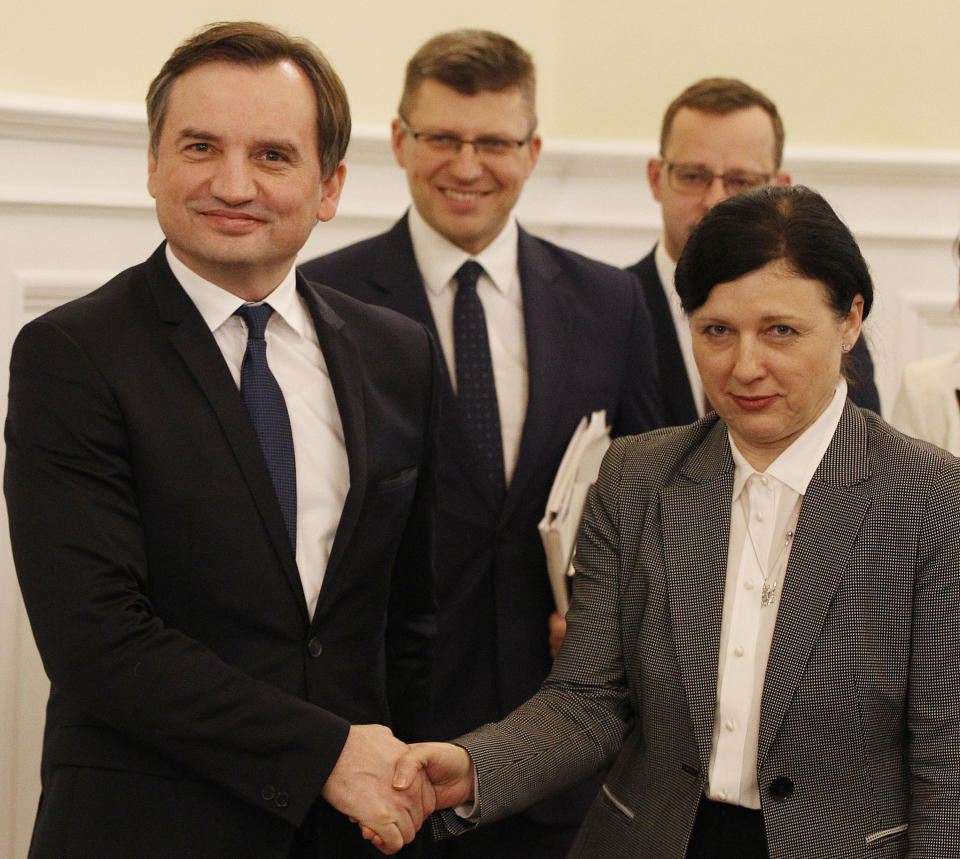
[{"x": 577, "y": 473}]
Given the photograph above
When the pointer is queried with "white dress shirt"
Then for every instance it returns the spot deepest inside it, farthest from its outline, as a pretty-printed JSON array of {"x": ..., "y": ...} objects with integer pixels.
[
  {"x": 499, "y": 290},
  {"x": 765, "y": 506},
  {"x": 295, "y": 359},
  {"x": 666, "y": 270}
]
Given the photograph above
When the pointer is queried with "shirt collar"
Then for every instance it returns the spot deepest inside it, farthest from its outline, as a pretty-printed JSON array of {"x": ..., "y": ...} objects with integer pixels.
[
  {"x": 796, "y": 466},
  {"x": 438, "y": 258},
  {"x": 666, "y": 271},
  {"x": 217, "y": 305}
]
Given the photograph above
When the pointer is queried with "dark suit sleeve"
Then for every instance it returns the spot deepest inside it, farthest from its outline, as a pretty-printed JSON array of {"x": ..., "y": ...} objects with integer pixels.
[
  {"x": 862, "y": 388},
  {"x": 81, "y": 556},
  {"x": 411, "y": 625},
  {"x": 641, "y": 408}
]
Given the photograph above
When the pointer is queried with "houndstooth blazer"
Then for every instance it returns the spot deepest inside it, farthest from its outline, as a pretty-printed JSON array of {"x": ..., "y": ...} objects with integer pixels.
[{"x": 859, "y": 750}]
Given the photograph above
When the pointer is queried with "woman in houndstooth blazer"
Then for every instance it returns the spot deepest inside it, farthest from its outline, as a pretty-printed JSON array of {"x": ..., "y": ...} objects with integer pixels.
[{"x": 765, "y": 627}]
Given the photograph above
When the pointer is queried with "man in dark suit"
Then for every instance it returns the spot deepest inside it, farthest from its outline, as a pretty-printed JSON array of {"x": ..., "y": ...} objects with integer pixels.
[
  {"x": 562, "y": 336},
  {"x": 217, "y": 477},
  {"x": 719, "y": 137}
]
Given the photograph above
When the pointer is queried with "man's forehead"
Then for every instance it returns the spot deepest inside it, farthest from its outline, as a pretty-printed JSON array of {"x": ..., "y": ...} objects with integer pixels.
[
  {"x": 270, "y": 100},
  {"x": 437, "y": 102},
  {"x": 745, "y": 134}
]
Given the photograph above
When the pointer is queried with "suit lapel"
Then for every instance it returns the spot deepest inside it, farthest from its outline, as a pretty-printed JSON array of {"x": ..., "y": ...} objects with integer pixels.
[
  {"x": 192, "y": 340},
  {"x": 343, "y": 364},
  {"x": 394, "y": 273},
  {"x": 673, "y": 370},
  {"x": 696, "y": 529},
  {"x": 834, "y": 508},
  {"x": 548, "y": 336}
]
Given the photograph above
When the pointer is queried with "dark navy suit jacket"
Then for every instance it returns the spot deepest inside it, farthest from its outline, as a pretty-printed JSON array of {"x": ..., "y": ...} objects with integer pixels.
[{"x": 196, "y": 709}]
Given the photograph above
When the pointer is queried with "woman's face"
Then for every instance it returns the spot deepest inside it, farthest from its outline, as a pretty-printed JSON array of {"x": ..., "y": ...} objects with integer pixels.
[{"x": 768, "y": 346}]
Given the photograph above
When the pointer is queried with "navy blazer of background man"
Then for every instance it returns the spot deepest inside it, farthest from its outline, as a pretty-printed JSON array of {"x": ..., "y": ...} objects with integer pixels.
[{"x": 589, "y": 346}]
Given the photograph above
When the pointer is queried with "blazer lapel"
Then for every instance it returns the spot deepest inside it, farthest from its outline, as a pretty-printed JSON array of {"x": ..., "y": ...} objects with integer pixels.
[
  {"x": 190, "y": 337},
  {"x": 831, "y": 506},
  {"x": 394, "y": 273},
  {"x": 695, "y": 521},
  {"x": 343, "y": 364},
  {"x": 673, "y": 369},
  {"x": 548, "y": 336}
]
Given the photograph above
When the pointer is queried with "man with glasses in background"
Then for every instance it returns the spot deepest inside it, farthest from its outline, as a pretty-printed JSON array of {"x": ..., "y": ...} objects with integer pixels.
[
  {"x": 719, "y": 137},
  {"x": 535, "y": 337}
]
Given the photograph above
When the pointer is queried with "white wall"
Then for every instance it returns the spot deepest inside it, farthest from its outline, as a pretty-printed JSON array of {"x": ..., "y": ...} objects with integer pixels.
[{"x": 857, "y": 72}]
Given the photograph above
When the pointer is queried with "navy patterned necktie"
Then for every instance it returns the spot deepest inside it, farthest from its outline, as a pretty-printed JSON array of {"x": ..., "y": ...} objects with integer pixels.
[
  {"x": 476, "y": 392},
  {"x": 268, "y": 412}
]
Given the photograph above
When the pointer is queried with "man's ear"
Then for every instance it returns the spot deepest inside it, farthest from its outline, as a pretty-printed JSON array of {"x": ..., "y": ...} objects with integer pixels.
[
  {"x": 655, "y": 171},
  {"x": 330, "y": 193},
  {"x": 397, "y": 134},
  {"x": 151, "y": 171}
]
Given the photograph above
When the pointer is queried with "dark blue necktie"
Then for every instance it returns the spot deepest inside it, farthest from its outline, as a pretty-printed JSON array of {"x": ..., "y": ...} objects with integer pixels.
[
  {"x": 476, "y": 392},
  {"x": 268, "y": 411}
]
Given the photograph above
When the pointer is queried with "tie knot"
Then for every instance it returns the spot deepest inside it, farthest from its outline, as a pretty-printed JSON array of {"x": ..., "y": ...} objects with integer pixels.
[
  {"x": 256, "y": 316},
  {"x": 468, "y": 274}
]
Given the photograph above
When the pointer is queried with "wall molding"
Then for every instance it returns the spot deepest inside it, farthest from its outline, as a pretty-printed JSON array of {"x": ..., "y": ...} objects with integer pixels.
[{"x": 120, "y": 124}]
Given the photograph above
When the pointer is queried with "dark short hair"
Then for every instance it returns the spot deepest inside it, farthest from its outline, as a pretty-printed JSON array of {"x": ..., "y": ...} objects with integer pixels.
[
  {"x": 721, "y": 96},
  {"x": 471, "y": 62},
  {"x": 249, "y": 43},
  {"x": 788, "y": 223}
]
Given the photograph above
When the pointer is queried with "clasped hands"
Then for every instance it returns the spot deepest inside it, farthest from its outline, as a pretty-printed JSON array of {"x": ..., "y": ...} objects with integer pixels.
[{"x": 389, "y": 788}]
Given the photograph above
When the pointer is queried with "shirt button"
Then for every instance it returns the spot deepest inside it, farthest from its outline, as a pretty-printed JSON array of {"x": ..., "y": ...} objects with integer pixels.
[
  {"x": 764, "y": 479},
  {"x": 759, "y": 515},
  {"x": 314, "y": 647},
  {"x": 738, "y": 651},
  {"x": 748, "y": 584},
  {"x": 722, "y": 795},
  {"x": 730, "y": 725}
]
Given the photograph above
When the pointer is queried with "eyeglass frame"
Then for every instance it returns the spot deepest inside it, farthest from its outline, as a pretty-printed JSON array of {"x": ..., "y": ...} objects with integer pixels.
[
  {"x": 765, "y": 178},
  {"x": 457, "y": 143}
]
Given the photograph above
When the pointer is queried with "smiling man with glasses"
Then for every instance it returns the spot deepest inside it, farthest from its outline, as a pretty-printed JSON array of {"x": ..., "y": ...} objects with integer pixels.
[
  {"x": 534, "y": 338},
  {"x": 719, "y": 137}
]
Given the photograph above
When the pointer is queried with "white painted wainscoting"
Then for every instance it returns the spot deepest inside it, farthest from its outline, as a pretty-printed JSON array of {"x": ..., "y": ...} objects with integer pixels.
[{"x": 74, "y": 211}]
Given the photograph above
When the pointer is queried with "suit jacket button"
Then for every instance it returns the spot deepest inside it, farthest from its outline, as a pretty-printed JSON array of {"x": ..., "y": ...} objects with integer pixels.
[
  {"x": 781, "y": 788},
  {"x": 268, "y": 792},
  {"x": 283, "y": 799},
  {"x": 314, "y": 647}
]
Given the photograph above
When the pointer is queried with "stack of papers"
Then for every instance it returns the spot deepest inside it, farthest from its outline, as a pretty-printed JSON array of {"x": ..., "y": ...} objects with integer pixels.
[{"x": 577, "y": 473}]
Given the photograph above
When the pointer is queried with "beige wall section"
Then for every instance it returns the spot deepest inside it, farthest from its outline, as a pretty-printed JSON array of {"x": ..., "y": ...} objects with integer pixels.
[{"x": 848, "y": 72}]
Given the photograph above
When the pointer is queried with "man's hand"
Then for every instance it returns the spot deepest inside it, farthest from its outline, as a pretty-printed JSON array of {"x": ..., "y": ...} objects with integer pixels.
[
  {"x": 558, "y": 631},
  {"x": 360, "y": 786}
]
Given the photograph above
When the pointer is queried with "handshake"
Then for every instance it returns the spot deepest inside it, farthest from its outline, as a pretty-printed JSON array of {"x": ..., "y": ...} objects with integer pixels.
[{"x": 389, "y": 788}]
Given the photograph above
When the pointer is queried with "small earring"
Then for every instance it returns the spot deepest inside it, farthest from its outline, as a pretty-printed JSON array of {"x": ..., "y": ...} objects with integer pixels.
[{"x": 845, "y": 347}]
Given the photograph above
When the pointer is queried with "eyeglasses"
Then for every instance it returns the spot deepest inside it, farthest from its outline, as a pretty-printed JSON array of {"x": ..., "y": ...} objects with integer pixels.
[
  {"x": 450, "y": 144},
  {"x": 696, "y": 179}
]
